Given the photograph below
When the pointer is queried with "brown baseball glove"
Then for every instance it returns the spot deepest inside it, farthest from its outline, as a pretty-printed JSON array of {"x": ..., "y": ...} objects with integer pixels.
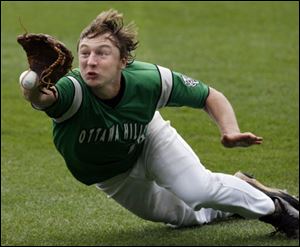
[{"x": 47, "y": 56}]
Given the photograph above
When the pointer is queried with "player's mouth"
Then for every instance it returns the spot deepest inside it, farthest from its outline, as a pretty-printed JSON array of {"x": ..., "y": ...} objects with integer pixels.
[{"x": 91, "y": 75}]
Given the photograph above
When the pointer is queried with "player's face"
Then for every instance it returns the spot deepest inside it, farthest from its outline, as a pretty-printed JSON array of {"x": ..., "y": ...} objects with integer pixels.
[{"x": 99, "y": 61}]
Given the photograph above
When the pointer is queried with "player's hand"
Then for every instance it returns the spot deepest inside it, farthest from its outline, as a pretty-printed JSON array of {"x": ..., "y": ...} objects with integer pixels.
[{"x": 240, "y": 140}]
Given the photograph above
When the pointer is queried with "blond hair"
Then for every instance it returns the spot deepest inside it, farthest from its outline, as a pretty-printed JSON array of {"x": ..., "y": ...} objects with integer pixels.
[{"x": 111, "y": 21}]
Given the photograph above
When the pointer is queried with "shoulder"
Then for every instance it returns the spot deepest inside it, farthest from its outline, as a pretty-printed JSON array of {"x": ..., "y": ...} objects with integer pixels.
[
  {"x": 70, "y": 82},
  {"x": 141, "y": 74},
  {"x": 147, "y": 72},
  {"x": 140, "y": 66}
]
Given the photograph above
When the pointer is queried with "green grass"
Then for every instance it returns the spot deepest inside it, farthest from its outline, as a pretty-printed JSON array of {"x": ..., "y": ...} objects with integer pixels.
[{"x": 247, "y": 50}]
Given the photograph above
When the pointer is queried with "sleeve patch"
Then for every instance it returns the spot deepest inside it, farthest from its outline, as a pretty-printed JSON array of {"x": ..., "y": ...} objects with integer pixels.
[{"x": 188, "y": 81}]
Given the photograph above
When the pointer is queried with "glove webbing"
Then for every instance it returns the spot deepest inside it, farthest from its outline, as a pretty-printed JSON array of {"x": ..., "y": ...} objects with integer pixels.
[{"x": 60, "y": 60}]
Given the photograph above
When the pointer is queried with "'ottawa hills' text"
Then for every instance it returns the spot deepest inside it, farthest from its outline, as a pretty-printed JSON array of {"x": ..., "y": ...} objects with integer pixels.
[{"x": 128, "y": 132}]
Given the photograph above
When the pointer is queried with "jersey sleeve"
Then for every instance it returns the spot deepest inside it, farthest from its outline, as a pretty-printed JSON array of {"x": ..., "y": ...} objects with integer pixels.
[
  {"x": 180, "y": 90},
  {"x": 69, "y": 94},
  {"x": 187, "y": 92}
]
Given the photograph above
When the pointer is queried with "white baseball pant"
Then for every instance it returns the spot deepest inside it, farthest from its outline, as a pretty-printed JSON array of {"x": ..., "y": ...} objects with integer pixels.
[{"x": 169, "y": 184}]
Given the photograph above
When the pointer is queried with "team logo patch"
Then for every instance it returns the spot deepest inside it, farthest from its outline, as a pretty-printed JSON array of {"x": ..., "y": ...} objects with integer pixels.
[{"x": 188, "y": 81}]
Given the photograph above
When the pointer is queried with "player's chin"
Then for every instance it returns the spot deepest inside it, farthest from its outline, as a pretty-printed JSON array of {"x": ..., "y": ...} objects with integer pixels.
[{"x": 92, "y": 81}]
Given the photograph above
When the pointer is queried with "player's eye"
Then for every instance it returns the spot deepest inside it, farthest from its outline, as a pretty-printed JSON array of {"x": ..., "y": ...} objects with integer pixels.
[
  {"x": 103, "y": 53},
  {"x": 84, "y": 53}
]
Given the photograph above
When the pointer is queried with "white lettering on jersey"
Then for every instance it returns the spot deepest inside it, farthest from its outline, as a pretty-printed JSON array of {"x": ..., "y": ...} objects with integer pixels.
[
  {"x": 131, "y": 132},
  {"x": 117, "y": 133},
  {"x": 97, "y": 135},
  {"x": 111, "y": 133},
  {"x": 91, "y": 134},
  {"x": 103, "y": 136},
  {"x": 126, "y": 131},
  {"x": 82, "y": 136},
  {"x": 135, "y": 131},
  {"x": 132, "y": 147}
]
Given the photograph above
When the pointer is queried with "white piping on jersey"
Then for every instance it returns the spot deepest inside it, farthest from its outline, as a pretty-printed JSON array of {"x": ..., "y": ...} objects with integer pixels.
[
  {"x": 166, "y": 84},
  {"x": 75, "y": 104}
]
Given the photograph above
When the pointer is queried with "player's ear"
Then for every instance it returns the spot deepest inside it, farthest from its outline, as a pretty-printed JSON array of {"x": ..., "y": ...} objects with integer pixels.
[{"x": 123, "y": 62}]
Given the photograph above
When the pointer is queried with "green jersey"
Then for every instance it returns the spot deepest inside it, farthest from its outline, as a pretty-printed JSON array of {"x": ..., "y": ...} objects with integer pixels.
[{"x": 99, "y": 141}]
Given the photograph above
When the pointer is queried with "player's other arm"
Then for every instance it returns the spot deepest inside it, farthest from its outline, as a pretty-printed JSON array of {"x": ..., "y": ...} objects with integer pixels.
[
  {"x": 40, "y": 98},
  {"x": 221, "y": 111}
]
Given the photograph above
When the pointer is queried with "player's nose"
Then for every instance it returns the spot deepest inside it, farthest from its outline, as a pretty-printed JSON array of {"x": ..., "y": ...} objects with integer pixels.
[{"x": 92, "y": 60}]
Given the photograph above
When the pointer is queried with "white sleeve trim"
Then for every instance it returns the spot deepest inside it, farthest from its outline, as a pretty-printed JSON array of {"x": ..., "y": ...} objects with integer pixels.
[
  {"x": 166, "y": 86},
  {"x": 75, "y": 104}
]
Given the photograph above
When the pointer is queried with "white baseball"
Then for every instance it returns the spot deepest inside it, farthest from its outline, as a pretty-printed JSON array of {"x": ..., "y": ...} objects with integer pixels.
[{"x": 28, "y": 79}]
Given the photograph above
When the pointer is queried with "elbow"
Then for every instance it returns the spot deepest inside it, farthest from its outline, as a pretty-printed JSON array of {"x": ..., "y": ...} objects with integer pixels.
[{"x": 213, "y": 97}]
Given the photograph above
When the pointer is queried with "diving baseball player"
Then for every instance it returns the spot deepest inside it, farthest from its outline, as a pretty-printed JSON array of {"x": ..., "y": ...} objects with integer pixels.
[{"x": 108, "y": 129}]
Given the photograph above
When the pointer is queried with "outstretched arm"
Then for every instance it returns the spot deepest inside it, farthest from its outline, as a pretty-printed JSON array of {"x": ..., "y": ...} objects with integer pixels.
[
  {"x": 221, "y": 111},
  {"x": 40, "y": 98}
]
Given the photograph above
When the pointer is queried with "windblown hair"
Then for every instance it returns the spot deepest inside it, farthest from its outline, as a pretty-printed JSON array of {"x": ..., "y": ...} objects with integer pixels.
[{"x": 111, "y": 21}]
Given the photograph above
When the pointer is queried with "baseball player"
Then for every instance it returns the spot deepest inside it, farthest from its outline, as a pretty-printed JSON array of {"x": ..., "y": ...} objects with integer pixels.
[{"x": 108, "y": 129}]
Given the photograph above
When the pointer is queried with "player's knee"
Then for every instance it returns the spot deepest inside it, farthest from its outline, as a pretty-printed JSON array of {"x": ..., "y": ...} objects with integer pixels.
[{"x": 206, "y": 195}]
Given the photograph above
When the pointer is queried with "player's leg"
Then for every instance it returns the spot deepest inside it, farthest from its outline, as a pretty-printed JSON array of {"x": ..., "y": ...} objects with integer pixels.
[
  {"x": 271, "y": 192},
  {"x": 173, "y": 165},
  {"x": 149, "y": 201}
]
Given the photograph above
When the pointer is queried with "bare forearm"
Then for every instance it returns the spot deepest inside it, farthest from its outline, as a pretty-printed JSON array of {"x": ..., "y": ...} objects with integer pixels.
[
  {"x": 221, "y": 111},
  {"x": 219, "y": 108}
]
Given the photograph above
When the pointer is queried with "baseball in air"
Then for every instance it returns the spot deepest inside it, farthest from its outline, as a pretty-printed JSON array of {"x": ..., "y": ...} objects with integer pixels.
[{"x": 28, "y": 79}]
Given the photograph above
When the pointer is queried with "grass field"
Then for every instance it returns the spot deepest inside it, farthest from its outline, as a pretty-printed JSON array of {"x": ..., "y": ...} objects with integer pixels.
[{"x": 247, "y": 50}]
